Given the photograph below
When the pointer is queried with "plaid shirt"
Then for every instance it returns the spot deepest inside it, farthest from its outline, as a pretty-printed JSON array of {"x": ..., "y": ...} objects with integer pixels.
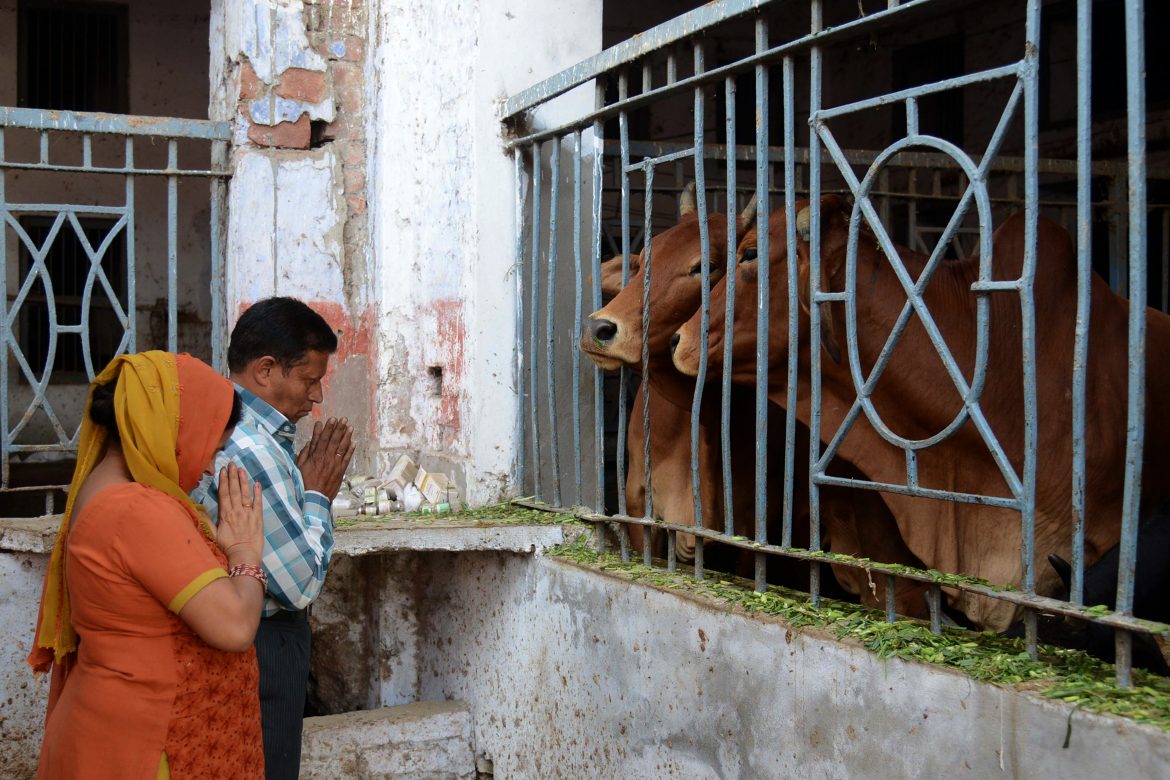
[{"x": 298, "y": 534}]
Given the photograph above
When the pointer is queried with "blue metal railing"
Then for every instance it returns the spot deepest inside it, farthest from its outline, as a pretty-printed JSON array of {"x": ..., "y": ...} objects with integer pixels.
[
  {"x": 55, "y": 138},
  {"x": 866, "y": 177}
]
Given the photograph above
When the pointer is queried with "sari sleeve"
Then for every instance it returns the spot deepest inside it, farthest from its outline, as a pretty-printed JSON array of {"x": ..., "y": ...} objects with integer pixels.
[{"x": 164, "y": 550}]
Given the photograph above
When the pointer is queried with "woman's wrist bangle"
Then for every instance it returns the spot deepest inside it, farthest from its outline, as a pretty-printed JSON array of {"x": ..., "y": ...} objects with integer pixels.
[{"x": 250, "y": 570}]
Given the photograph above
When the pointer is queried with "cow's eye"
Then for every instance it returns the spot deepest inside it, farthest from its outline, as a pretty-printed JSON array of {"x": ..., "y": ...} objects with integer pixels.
[
  {"x": 696, "y": 270},
  {"x": 749, "y": 255}
]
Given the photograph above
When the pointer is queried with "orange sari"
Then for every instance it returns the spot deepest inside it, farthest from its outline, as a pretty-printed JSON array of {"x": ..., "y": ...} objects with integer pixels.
[{"x": 135, "y": 692}]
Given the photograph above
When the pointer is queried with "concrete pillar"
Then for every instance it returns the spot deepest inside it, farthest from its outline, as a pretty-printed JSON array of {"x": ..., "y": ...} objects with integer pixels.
[{"x": 442, "y": 207}]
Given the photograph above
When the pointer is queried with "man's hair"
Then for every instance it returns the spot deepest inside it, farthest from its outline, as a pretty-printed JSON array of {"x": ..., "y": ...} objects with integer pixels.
[{"x": 284, "y": 328}]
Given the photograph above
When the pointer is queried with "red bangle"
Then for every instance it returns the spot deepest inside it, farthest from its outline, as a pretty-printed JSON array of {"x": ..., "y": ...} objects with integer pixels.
[{"x": 250, "y": 570}]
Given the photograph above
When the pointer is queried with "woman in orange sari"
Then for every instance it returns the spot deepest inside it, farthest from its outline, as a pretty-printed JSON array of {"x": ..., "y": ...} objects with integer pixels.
[{"x": 148, "y": 635}]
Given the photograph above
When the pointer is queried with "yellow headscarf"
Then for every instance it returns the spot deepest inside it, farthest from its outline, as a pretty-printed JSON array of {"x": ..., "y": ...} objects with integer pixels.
[{"x": 147, "y": 409}]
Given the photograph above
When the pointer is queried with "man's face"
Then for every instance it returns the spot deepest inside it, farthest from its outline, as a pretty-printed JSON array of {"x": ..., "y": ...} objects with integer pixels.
[{"x": 294, "y": 391}]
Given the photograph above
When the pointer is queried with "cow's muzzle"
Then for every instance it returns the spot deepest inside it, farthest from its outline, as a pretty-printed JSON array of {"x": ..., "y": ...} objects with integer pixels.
[
  {"x": 674, "y": 340},
  {"x": 600, "y": 332}
]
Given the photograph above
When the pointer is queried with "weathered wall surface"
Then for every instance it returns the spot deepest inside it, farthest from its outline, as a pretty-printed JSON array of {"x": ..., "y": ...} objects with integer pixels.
[
  {"x": 291, "y": 77},
  {"x": 442, "y": 204},
  {"x": 573, "y": 674},
  {"x": 22, "y": 696},
  {"x": 570, "y": 673}
]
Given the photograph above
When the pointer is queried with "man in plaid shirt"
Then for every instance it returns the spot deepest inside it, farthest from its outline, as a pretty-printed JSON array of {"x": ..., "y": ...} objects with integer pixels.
[{"x": 278, "y": 354}]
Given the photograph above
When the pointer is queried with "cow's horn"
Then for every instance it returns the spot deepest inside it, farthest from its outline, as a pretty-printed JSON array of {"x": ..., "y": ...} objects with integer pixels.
[
  {"x": 686, "y": 200},
  {"x": 804, "y": 224},
  {"x": 748, "y": 216}
]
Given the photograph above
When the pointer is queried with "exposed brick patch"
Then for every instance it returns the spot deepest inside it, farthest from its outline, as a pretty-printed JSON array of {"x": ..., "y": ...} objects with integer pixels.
[
  {"x": 357, "y": 204},
  {"x": 354, "y": 180},
  {"x": 306, "y": 86},
  {"x": 353, "y": 152},
  {"x": 350, "y": 102},
  {"x": 347, "y": 76},
  {"x": 250, "y": 84},
  {"x": 285, "y": 135},
  {"x": 348, "y": 92}
]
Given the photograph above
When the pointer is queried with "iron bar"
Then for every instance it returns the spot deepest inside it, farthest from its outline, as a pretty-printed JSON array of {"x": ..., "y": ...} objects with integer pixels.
[
  {"x": 934, "y": 606},
  {"x": 533, "y": 320},
  {"x": 814, "y": 324},
  {"x": 113, "y": 124},
  {"x": 512, "y": 111},
  {"x": 5, "y": 438},
  {"x": 763, "y": 306},
  {"x": 891, "y": 598},
  {"x": 728, "y": 313},
  {"x": 647, "y": 463},
  {"x": 116, "y": 171},
  {"x": 919, "y": 492},
  {"x": 575, "y": 345},
  {"x": 903, "y": 159},
  {"x": 521, "y": 189},
  {"x": 705, "y": 306},
  {"x": 218, "y": 210},
  {"x": 1019, "y": 598},
  {"x": 1136, "y": 403},
  {"x": 598, "y": 378},
  {"x": 793, "y": 298},
  {"x": 624, "y": 371},
  {"x": 131, "y": 251},
  {"x": 1029, "y": 77},
  {"x": 615, "y": 58},
  {"x": 1084, "y": 236},
  {"x": 173, "y": 248},
  {"x": 550, "y": 316}
]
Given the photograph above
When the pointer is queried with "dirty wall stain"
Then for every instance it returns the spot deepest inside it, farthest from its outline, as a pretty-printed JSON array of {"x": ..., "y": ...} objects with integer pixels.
[{"x": 450, "y": 335}]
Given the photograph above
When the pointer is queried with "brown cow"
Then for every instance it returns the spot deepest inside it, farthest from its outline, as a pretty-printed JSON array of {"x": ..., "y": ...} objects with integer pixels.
[
  {"x": 612, "y": 337},
  {"x": 915, "y": 396},
  {"x": 671, "y": 454}
]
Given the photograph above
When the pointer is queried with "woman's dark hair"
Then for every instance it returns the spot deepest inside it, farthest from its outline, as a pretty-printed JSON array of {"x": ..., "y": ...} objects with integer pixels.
[
  {"x": 284, "y": 328},
  {"x": 101, "y": 410},
  {"x": 237, "y": 410}
]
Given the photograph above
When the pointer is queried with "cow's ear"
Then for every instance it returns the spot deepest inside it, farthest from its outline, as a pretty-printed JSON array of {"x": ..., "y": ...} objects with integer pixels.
[{"x": 611, "y": 276}]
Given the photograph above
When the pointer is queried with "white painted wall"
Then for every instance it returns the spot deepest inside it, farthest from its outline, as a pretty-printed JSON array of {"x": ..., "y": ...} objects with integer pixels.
[
  {"x": 442, "y": 206},
  {"x": 284, "y": 229}
]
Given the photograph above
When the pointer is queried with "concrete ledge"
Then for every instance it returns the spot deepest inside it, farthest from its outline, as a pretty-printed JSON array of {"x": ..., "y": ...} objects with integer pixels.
[
  {"x": 37, "y": 534},
  {"x": 402, "y": 535},
  {"x": 420, "y": 740},
  {"x": 29, "y": 535}
]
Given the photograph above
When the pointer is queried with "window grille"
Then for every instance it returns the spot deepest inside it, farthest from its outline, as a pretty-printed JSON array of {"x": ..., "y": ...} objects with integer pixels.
[{"x": 68, "y": 267}]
